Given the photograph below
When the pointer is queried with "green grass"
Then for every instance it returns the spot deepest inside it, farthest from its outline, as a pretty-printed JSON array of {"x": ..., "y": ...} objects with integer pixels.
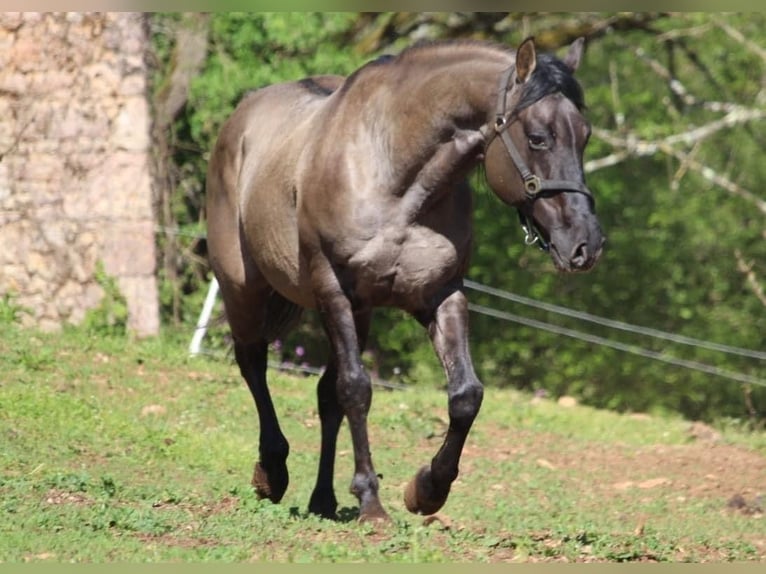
[{"x": 120, "y": 450}]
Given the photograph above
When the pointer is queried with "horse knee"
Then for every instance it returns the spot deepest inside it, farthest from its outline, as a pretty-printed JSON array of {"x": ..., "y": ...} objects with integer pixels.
[{"x": 354, "y": 391}]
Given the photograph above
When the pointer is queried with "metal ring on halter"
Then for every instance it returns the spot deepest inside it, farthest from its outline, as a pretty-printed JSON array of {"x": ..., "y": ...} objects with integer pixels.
[
  {"x": 532, "y": 184},
  {"x": 530, "y": 238}
]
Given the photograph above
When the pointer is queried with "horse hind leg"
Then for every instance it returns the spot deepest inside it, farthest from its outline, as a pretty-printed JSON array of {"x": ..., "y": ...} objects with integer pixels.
[
  {"x": 270, "y": 475},
  {"x": 323, "y": 501},
  {"x": 281, "y": 316}
]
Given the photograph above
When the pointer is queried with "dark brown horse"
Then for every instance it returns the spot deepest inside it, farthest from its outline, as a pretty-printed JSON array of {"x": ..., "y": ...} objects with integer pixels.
[{"x": 345, "y": 194}]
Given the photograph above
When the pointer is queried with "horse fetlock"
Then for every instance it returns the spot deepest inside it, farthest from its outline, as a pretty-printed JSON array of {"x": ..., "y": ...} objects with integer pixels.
[
  {"x": 422, "y": 495},
  {"x": 273, "y": 449},
  {"x": 365, "y": 488},
  {"x": 270, "y": 480},
  {"x": 363, "y": 485}
]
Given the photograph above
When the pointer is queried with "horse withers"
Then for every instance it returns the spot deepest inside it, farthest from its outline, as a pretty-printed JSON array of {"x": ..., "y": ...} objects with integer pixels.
[{"x": 343, "y": 194}]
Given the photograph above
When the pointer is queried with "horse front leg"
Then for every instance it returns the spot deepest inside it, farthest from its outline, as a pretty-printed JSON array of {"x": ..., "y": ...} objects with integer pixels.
[
  {"x": 354, "y": 395},
  {"x": 427, "y": 492},
  {"x": 323, "y": 501}
]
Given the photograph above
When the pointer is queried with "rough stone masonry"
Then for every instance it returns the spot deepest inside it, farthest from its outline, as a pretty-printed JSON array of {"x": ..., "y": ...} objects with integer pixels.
[{"x": 75, "y": 176}]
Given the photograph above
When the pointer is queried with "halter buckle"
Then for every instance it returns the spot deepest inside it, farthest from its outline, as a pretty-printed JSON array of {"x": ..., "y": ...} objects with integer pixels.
[{"x": 532, "y": 184}]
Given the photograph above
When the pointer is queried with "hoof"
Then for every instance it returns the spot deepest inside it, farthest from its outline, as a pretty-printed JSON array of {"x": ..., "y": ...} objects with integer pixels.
[
  {"x": 420, "y": 496},
  {"x": 325, "y": 505},
  {"x": 270, "y": 483},
  {"x": 377, "y": 517}
]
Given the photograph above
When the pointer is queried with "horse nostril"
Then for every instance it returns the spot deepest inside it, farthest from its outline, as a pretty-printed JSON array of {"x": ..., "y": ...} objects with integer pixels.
[{"x": 580, "y": 255}]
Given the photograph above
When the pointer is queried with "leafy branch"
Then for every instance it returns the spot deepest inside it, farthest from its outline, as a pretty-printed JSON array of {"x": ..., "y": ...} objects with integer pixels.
[
  {"x": 752, "y": 281},
  {"x": 627, "y": 144}
]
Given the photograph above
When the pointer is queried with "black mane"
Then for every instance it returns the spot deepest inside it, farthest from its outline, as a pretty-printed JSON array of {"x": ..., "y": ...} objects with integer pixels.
[
  {"x": 311, "y": 85},
  {"x": 551, "y": 75}
]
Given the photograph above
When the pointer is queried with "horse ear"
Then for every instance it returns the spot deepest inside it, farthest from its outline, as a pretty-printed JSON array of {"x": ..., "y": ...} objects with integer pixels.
[
  {"x": 526, "y": 60},
  {"x": 574, "y": 55}
]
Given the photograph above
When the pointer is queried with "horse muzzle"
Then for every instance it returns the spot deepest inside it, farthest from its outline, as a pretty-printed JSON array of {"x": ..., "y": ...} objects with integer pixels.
[{"x": 573, "y": 253}]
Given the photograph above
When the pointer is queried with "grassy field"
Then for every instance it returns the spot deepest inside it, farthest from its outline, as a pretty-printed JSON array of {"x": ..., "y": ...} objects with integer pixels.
[{"x": 115, "y": 450}]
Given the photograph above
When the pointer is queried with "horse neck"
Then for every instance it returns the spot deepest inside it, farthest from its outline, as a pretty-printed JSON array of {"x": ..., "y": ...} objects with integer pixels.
[{"x": 436, "y": 94}]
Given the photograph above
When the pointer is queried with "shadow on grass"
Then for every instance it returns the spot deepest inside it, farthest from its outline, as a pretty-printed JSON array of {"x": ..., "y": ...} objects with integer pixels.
[{"x": 344, "y": 515}]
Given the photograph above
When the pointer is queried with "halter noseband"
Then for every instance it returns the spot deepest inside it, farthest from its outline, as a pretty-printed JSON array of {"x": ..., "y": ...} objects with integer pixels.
[{"x": 534, "y": 186}]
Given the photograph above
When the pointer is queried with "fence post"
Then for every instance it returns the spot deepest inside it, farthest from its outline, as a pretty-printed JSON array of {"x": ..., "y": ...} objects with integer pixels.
[{"x": 204, "y": 317}]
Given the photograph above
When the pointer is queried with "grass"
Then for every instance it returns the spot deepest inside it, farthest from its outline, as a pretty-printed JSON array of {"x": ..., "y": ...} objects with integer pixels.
[{"x": 120, "y": 450}]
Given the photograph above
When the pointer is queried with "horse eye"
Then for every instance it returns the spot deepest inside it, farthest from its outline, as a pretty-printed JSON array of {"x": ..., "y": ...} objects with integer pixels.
[{"x": 537, "y": 142}]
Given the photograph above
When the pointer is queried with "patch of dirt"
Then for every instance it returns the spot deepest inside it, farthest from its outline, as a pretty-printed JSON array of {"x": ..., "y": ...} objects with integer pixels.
[
  {"x": 225, "y": 505},
  {"x": 705, "y": 468},
  {"x": 704, "y": 471},
  {"x": 57, "y": 496},
  {"x": 177, "y": 541}
]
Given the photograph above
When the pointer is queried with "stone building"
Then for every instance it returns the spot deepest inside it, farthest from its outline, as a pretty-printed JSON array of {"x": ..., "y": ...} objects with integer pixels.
[{"x": 75, "y": 175}]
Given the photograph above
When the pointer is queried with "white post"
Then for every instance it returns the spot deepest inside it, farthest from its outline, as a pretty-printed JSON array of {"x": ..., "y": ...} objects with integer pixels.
[{"x": 204, "y": 317}]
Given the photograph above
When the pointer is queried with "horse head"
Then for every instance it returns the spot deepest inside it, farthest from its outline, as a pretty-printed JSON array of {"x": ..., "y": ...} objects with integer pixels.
[{"x": 533, "y": 158}]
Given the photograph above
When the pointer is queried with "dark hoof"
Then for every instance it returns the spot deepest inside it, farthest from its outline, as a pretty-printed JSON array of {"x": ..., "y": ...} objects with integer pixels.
[
  {"x": 271, "y": 482},
  {"x": 420, "y": 496},
  {"x": 324, "y": 505}
]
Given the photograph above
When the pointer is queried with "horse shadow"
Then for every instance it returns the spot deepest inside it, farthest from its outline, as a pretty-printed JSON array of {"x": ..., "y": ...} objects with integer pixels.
[{"x": 344, "y": 515}]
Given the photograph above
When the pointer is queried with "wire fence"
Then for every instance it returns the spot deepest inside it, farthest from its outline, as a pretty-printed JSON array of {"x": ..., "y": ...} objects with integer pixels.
[
  {"x": 744, "y": 378},
  {"x": 633, "y": 349},
  {"x": 654, "y": 333}
]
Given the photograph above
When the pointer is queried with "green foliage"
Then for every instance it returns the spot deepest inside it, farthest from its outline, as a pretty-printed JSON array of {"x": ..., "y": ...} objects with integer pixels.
[
  {"x": 9, "y": 309},
  {"x": 111, "y": 315},
  {"x": 670, "y": 259}
]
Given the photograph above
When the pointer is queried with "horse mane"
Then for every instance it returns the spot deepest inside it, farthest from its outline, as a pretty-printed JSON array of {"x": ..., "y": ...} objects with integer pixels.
[
  {"x": 551, "y": 75},
  {"x": 383, "y": 60},
  {"x": 313, "y": 86}
]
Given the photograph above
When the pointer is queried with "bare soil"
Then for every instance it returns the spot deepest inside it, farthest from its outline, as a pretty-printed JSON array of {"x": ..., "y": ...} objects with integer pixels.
[{"x": 706, "y": 471}]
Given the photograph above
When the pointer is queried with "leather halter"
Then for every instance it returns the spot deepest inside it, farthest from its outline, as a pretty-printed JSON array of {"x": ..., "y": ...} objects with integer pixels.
[{"x": 534, "y": 185}]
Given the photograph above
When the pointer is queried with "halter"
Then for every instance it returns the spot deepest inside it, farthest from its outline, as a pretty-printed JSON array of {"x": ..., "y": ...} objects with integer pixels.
[{"x": 534, "y": 186}]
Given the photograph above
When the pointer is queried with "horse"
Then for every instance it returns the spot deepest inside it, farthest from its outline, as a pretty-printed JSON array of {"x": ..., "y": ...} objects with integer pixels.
[{"x": 344, "y": 194}]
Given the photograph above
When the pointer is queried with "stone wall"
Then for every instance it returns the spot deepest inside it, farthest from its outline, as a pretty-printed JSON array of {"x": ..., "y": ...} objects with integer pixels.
[{"x": 75, "y": 183}]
